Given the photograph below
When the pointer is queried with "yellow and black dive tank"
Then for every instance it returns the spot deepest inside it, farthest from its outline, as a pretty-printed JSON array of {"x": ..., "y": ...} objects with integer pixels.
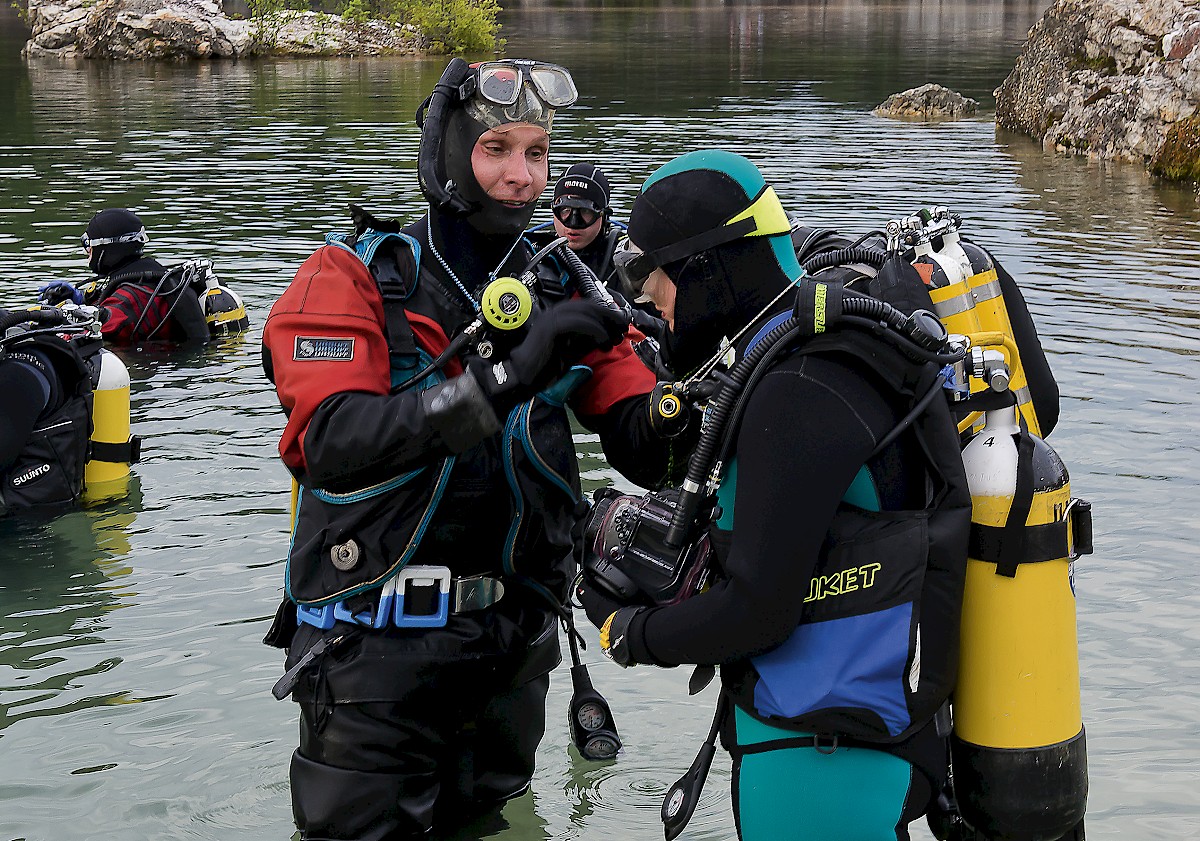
[
  {"x": 992, "y": 315},
  {"x": 224, "y": 312},
  {"x": 112, "y": 448},
  {"x": 1018, "y": 752}
]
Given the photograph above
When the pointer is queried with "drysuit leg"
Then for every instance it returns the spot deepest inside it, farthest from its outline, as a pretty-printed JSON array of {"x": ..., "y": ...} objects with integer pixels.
[{"x": 395, "y": 740}]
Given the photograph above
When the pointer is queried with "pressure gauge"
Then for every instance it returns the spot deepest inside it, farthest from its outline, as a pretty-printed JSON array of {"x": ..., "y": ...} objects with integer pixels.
[
  {"x": 601, "y": 746},
  {"x": 591, "y": 716}
]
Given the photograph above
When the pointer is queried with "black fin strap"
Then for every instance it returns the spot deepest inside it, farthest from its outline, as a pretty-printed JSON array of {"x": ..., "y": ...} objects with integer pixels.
[{"x": 1012, "y": 541}]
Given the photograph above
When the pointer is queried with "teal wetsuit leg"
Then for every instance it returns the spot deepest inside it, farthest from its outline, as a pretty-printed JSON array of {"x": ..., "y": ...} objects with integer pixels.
[{"x": 800, "y": 794}]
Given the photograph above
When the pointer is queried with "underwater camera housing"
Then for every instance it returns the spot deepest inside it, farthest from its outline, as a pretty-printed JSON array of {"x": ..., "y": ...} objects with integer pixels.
[{"x": 625, "y": 551}]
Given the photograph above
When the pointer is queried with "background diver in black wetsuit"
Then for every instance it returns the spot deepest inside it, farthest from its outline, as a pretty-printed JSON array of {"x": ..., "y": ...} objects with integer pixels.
[
  {"x": 45, "y": 407},
  {"x": 583, "y": 212}
]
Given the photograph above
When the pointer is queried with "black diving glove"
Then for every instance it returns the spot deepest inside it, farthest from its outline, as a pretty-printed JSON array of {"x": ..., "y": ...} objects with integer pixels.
[
  {"x": 556, "y": 339},
  {"x": 597, "y": 603},
  {"x": 614, "y": 636},
  {"x": 57, "y": 291}
]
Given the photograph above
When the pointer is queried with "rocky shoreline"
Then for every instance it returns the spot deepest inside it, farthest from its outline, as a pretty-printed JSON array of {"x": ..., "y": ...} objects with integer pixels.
[
  {"x": 191, "y": 29},
  {"x": 1112, "y": 80}
]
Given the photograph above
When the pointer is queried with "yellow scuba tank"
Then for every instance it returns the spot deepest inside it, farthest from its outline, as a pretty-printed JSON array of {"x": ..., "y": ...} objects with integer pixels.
[
  {"x": 1018, "y": 752},
  {"x": 993, "y": 316},
  {"x": 112, "y": 448},
  {"x": 224, "y": 312}
]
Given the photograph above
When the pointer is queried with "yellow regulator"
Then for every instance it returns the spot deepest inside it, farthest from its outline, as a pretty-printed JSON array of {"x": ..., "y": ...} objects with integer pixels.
[
  {"x": 1019, "y": 758},
  {"x": 506, "y": 303},
  {"x": 112, "y": 449}
]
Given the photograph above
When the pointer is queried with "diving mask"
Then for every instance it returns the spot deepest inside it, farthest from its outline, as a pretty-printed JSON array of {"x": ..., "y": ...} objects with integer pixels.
[
  {"x": 574, "y": 213},
  {"x": 517, "y": 90},
  {"x": 136, "y": 236},
  {"x": 633, "y": 267}
]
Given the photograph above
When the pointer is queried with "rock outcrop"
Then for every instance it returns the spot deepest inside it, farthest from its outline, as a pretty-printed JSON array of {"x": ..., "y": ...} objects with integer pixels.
[
  {"x": 185, "y": 29},
  {"x": 928, "y": 102},
  {"x": 1110, "y": 79}
]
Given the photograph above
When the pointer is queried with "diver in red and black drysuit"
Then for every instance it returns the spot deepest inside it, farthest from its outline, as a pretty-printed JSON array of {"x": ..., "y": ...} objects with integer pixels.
[
  {"x": 431, "y": 553},
  {"x": 840, "y": 551},
  {"x": 137, "y": 298}
]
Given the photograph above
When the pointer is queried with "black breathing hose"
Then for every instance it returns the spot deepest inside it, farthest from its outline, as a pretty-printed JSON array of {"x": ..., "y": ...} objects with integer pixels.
[
  {"x": 706, "y": 447},
  {"x": 453, "y": 349},
  {"x": 47, "y": 317},
  {"x": 589, "y": 285},
  {"x": 853, "y": 254}
]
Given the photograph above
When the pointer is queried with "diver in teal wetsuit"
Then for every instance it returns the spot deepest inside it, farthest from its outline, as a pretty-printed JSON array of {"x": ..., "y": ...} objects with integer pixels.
[{"x": 834, "y": 612}]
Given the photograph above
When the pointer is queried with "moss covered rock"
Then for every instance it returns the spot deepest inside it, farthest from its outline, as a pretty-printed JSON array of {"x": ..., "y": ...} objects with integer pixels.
[
  {"x": 1107, "y": 78},
  {"x": 1179, "y": 157}
]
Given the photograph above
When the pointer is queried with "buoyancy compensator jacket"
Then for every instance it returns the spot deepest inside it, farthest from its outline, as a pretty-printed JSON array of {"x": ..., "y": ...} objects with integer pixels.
[
  {"x": 49, "y": 469},
  {"x": 499, "y": 499},
  {"x": 875, "y": 653}
]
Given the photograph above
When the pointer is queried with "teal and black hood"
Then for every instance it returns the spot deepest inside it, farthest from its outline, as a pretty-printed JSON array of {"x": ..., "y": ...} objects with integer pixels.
[{"x": 712, "y": 223}]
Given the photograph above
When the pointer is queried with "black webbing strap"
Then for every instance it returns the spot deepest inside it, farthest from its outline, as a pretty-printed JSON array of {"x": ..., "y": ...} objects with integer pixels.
[
  {"x": 1047, "y": 542},
  {"x": 400, "y": 340},
  {"x": 1013, "y": 534},
  {"x": 127, "y": 453},
  {"x": 986, "y": 401},
  {"x": 823, "y": 743}
]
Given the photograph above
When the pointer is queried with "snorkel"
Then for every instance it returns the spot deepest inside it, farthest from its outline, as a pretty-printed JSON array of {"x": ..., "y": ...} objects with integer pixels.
[{"x": 441, "y": 192}]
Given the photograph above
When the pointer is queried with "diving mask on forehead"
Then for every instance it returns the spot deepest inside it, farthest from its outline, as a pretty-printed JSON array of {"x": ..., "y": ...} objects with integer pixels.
[{"x": 517, "y": 91}]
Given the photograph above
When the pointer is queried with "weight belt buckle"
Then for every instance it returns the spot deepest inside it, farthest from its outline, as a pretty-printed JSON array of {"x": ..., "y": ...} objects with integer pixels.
[
  {"x": 318, "y": 617},
  {"x": 421, "y": 576},
  {"x": 373, "y": 618}
]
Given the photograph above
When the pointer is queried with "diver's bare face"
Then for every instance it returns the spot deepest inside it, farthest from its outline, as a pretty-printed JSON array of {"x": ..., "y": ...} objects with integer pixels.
[{"x": 512, "y": 163}]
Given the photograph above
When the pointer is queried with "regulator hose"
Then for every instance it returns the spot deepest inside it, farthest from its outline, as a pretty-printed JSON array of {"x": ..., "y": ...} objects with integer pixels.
[
  {"x": 589, "y": 284},
  {"x": 706, "y": 447},
  {"x": 852, "y": 254},
  {"x": 48, "y": 317}
]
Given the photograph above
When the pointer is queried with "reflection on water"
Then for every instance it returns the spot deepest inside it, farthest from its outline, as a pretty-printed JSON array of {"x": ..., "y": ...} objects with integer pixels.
[
  {"x": 162, "y": 602},
  {"x": 62, "y": 579}
]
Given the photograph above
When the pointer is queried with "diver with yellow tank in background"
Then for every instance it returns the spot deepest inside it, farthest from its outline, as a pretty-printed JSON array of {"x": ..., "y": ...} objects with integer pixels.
[
  {"x": 138, "y": 299},
  {"x": 65, "y": 403}
]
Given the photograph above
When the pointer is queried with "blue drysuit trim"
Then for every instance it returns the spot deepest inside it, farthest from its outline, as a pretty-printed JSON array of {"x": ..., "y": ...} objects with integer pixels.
[
  {"x": 398, "y": 375},
  {"x": 367, "y": 244}
]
